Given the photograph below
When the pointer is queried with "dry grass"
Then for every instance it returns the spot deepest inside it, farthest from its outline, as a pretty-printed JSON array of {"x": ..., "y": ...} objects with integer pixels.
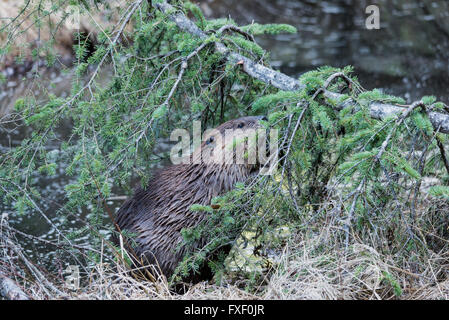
[
  {"x": 310, "y": 268},
  {"x": 107, "y": 284},
  {"x": 310, "y": 263}
]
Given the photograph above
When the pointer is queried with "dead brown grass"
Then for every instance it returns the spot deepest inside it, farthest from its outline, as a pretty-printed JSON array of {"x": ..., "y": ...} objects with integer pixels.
[{"x": 305, "y": 272}]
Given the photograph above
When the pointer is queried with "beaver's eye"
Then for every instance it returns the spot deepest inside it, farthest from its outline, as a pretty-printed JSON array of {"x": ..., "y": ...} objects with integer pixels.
[
  {"x": 210, "y": 140},
  {"x": 240, "y": 125}
]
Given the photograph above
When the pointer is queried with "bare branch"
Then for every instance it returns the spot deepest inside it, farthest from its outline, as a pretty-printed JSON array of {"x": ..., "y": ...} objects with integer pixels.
[{"x": 283, "y": 82}]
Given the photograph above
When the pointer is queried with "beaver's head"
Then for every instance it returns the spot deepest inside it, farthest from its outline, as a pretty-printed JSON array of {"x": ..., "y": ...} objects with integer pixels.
[
  {"x": 234, "y": 142},
  {"x": 243, "y": 123}
]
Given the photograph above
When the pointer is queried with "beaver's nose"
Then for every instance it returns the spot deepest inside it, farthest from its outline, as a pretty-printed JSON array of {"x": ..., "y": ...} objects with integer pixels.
[{"x": 264, "y": 118}]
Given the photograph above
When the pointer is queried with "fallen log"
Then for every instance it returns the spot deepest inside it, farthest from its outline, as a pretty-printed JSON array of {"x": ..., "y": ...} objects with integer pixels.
[
  {"x": 10, "y": 290},
  {"x": 283, "y": 82}
]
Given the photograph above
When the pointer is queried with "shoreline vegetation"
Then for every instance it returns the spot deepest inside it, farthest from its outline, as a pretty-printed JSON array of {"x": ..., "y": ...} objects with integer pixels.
[{"x": 357, "y": 210}]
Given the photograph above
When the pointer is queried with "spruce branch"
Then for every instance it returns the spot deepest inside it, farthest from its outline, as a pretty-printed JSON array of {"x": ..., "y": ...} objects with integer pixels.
[{"x": 283, "y": 82}]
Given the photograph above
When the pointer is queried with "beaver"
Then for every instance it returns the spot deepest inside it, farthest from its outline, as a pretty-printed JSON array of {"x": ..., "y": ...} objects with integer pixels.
[{"x": 157, "y": 213}]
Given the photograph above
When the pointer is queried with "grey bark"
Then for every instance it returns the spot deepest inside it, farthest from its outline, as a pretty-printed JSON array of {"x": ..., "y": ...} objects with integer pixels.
[
  {"x": 283, "y": 82},
  {"x": 10, "y": 290}
]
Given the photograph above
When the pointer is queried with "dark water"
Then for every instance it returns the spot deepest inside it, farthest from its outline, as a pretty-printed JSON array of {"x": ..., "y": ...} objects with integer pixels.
[{"x": 408, "y": 57}]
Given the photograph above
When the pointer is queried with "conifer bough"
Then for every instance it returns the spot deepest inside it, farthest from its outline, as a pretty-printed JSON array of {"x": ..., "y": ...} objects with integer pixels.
[{"x": 283, "y": 82}]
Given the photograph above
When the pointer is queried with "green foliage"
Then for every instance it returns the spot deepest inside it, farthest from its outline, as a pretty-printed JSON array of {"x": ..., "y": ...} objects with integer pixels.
[
  {"x": 246, "y": 45},
  {"x": 258, "y": 29},
  {"x": 393, "y": 282},
  {"x": 440, "y": 191},
  {"x": 359, "y": 165},
  {"x": 196, "y": 11}
]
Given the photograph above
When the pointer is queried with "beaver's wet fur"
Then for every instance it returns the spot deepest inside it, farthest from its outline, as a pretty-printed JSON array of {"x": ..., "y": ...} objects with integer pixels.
[{"x": 158, "y": 213}]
